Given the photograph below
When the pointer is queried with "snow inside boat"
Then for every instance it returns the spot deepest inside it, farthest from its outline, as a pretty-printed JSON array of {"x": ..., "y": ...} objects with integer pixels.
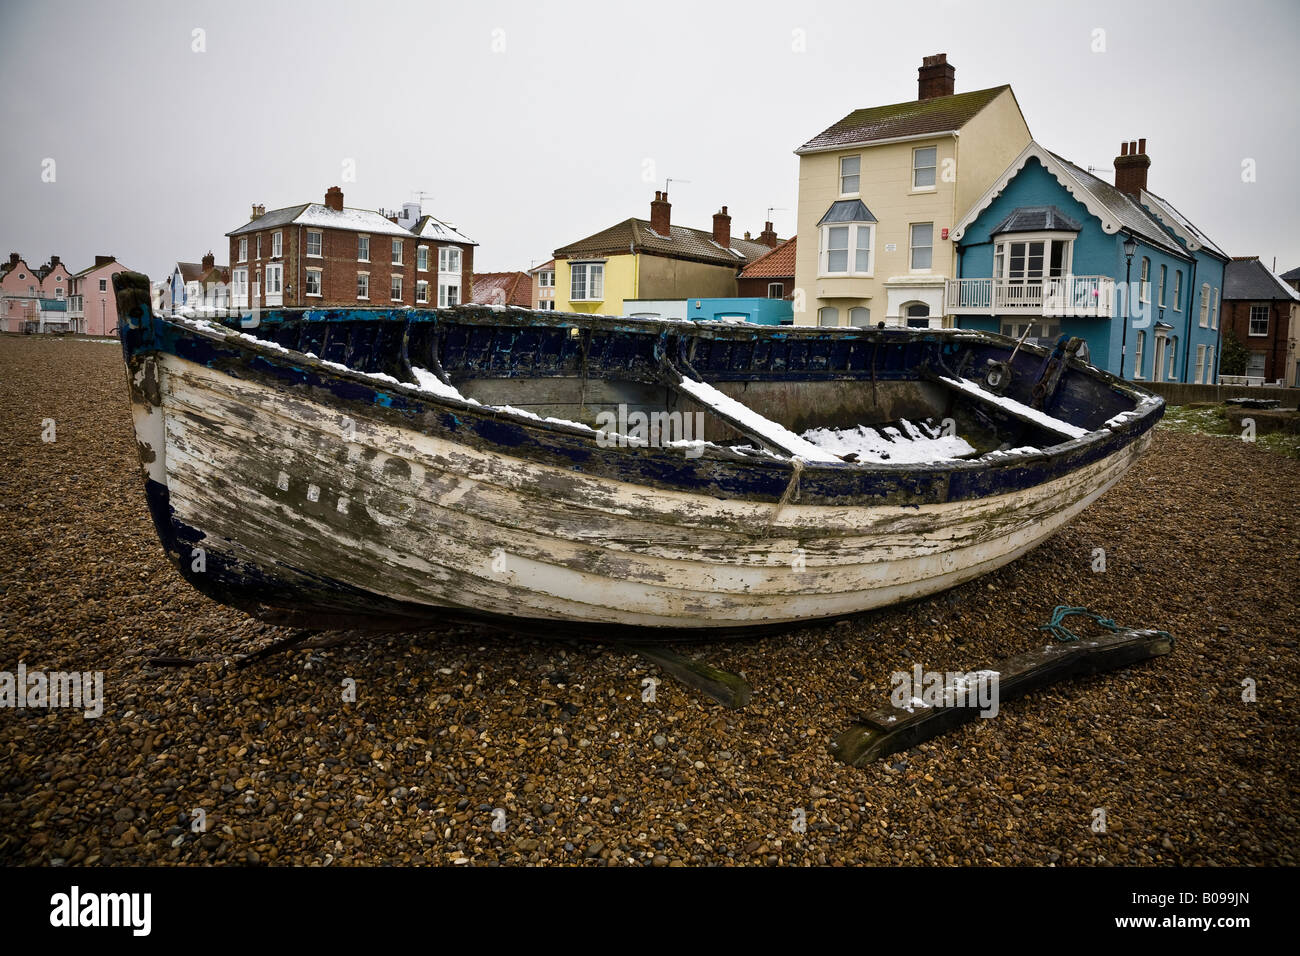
[{"x": 578, "y": 474}]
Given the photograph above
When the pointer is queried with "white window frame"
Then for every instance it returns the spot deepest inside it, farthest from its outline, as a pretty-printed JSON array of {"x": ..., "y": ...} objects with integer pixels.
[
  {"x": 593, "y": 281},
  {"x": 320, "y": 244},
  {"x": 780, "y": 290},
  {"x": 277, "y": 244},
  {"x": 421, "y": 258},
  {"x": 1250, "y": 322},
  {"x": 366, "y": 277},
  {"x": 826, "y": 312},
  {"x": 422, "y": 291},
  {"x": 444, "y": 298},
  {"x": 1205, "y": 305},
  {"x": 546, "y": 279},
  {"x": 1200, "y": 365},
  {"x": 363, "y": 238},
  {"x": 1178, "y": 290},
  {"x": 1214, "y": 308},
  {"x": 449, "y": 260},
  {"x": 397, "y": 252},
  {"x": 1137, "y": 355},
  {"x": 1171, "y": 366},
  {"x": 859, "y": 309},
  {"x": 823, "y": 254},
  {"x": 395, "y": 281},
  {"x": 320, "y": 283},
  {"x": 857, "y": 186},
  {"x": 1002, "y": 255},
  {"x": 1160, "y": 294},
  {"x": 917, "y": 168},
  {"x": 274, "y": 289},
  {"x": 1144, "y": 283},
  {"x": 239, "y": 288},
  {"x": 243, "y": 249},
  {"x": 912, "y": 247},
  {"x": 258, "y": 239}
]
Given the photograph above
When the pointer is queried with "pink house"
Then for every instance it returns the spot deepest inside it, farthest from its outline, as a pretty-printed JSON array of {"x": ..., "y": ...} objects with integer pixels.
[
  {"x": 91, "y": 304},
  {"x": 33, "y": 298}
]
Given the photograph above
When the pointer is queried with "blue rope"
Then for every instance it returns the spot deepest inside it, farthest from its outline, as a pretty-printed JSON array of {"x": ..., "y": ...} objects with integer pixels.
[{"x": 1063, "y": 633}]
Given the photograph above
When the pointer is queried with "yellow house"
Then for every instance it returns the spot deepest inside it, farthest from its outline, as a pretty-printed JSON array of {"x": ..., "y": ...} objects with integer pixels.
[
  {"x": 653, "y": 259},
  {"x": 879, "y": 192}
]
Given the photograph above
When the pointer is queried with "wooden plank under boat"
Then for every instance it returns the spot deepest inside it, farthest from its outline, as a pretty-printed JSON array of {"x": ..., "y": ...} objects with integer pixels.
[{"x": 382, "y": 468}]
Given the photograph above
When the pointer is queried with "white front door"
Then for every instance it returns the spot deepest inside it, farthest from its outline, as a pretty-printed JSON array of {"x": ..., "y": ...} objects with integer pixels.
[
  {"x": 274, "y": 284},
  {"x": 1158, "y": 368}
]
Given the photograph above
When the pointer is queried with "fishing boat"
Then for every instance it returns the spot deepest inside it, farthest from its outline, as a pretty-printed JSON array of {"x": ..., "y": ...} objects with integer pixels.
[{"x": 596, "y": 475}]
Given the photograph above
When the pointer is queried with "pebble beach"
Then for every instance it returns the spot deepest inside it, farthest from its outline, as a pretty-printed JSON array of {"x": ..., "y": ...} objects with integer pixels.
[{"x": 475, "y": 746}]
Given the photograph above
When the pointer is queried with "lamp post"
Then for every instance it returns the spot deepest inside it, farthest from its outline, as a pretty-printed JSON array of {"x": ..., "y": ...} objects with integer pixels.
[{"x": 1130, "y": 249}]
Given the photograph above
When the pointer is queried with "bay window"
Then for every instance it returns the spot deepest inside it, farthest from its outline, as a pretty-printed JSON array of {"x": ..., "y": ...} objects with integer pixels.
[
  {"x": 587, "y": 282},
  {"x": 846, "y": 249}
]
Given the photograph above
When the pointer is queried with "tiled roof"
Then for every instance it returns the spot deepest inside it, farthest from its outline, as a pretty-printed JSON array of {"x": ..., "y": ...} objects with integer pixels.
[
  {"x": 1292, "y": 276},
  {"x": 1036, "y": 219},
  {"x": 1128, "y": 212},
  {"x": 322, "y": 216},
  {"x": 682, "y": 243},
  {"x": 97, "y": 265},
  {"x": 914, "y": 118},
  {"x": 1164, "y": 210},
  {"x": 1251, "y": 279},
  {"x": 429, "y": 227},
  {"x": 503, "y": 288},
  {"x": 777, "y": 264},
  {"x": 549, "y": 264}
]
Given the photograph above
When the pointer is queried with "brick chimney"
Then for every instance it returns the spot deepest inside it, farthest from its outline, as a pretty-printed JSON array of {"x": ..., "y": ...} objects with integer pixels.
[
  {"x": 661, "y": 213},
  {"x": 334, "y": 199},
  {"x": 209, "y": 262},
  {"x": 13, "y": 259},
  {"x": 103, "y": 260},
  {"x": 722, "y": 228},
  {"x": 54, "y": 262},
  {"x": 1131, "y": 167},
  {"x": 768, "y": 236},
  {"x": 936, "y": 77},
  {"x": 258, "y": 212}
]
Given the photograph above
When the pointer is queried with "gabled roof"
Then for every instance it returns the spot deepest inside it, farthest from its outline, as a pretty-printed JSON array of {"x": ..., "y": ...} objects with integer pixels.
[
  {"x": 777, "y": 264},
  {"x": 98, "y": 265},
  {"x": 322, "y": 216},
  {"x": 1180, "y": 225},
  {"x": 435, "y": 230},
  {"x": 1036, "y": 219},
  {"x": 1249, "y": 278},
  {"x": 548, "y": 265},
  {"x": 1116, "y": 211},
  {"x": 635, "y": 235},
  {"x": 503, "y": 288},
  {"x": 847, "y": 210},
  {"x": 941, "y": 114},
  {"x": 1292, "y": 276}
]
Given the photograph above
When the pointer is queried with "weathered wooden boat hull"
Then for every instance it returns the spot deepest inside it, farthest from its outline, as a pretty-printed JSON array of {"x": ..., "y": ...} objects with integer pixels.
[{"x": 313, "y": 495}]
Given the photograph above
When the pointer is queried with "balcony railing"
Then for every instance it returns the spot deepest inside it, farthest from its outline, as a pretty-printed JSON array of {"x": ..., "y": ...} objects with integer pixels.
[{"x": 1086, "y": 296}]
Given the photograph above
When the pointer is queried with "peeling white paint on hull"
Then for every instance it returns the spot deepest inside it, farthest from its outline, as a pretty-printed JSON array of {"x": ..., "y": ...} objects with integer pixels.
[{"x": 281, "y": 482}]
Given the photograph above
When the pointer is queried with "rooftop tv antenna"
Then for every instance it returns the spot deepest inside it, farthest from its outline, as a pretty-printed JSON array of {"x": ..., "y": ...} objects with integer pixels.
[
  {"x": 667, "y": 181},
  {"x": 772, "y": 209}
]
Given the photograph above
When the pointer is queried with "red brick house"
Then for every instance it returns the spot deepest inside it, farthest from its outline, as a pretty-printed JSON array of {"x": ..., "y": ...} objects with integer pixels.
[
  {"x": 316, "y": 255},
  {"x": 771, "y": 276},
  {"x": 503, "y": 288},
  {"x": 1261, "y": 310}
]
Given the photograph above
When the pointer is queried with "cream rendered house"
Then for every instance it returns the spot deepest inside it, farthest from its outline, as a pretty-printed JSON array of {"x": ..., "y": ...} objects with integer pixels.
[{"x": 879, "y": 192}]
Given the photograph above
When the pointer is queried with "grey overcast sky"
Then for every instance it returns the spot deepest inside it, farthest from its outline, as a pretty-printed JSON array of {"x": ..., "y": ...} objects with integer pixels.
[{"x": 533, "y": 124}]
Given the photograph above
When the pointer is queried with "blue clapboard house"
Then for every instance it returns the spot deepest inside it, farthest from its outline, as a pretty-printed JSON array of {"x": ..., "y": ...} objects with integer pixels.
[{"x": 1049, "y": 247}]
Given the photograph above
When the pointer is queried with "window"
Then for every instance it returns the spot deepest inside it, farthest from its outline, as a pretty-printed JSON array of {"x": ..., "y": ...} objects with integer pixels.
[
  {"x": 422, "y": 259},
  {"x": 546, "y": 280},
  {"x": 1144, "y": 289},
  {"x": 1137, "y": 355},
  {"x": 1161, "y": 292},
  {"x": 314, "y": 244},
  {"x": 1214, "y": 308},
  {"x": 1200, "y": 365},
  {"x": 776, "y": 290},
  {"x": 587, "y": 282},
  {"x": 448, "y": 294},
  {"x": 924, "y": 162},
  {"x": 239, "y": 287},
  {"x": 828, "y": 316},
  {"x": 395, "y": 288},
  {"x": 548, "y": 304},
  {"x": 274, "y": 283},
  {"x": 363, "y": 248},
  {"x": 1025, "y": 260},
  {"x": 277, "y": 245},
  {"x": 1258, "y": 320},
  {"x": 1040, "y": 329},
  {"x": 363, "y": 285},
  {"x": 860, "y": 317},
  {"x": 1209, "y": 364},
  {"x": 918, "y": 315},
  {"x": 397, "y": 252},
  {"x": 1178, "y": 290},
  {"x": 243, "y": 249},
  {"x": 838, "y": 240},
  {"x": 313, "y": 281},
  {"x": 449, "y": 259},
  {"x": 922, "y": 245},
  {"x": 258, "y": 240},
  {"x": 1205, "y": 306},
  {"x": 1173, "y": 358},
  {"x": 103, "y": 285},
  {"x": 850, "y": 167},
  {"x": 422, "y": 291},
  {"x": 1255, "y": 365}
]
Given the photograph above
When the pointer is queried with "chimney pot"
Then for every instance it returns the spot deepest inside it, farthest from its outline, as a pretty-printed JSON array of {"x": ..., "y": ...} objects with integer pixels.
[
  {"x": 722, "y": 228},
  {"x": 936, "y": 77},
  {"x": 1142, "y": 146},
  {"x": 1131, "y": 167},
  {"x": 334, "y": 199},
  {"x": 1123, "y": 149},
  {"x": 209, "y": 262},
  {"x": 768, "y": 236}
]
